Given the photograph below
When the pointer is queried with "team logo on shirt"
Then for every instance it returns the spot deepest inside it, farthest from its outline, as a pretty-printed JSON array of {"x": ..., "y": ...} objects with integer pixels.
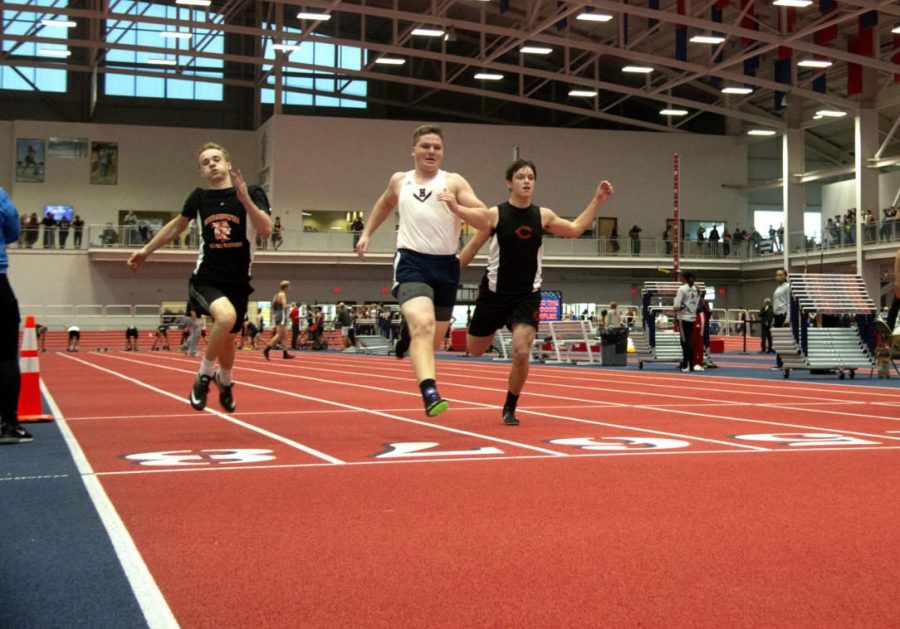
[
  {"x": 524, "y": 232},
  {"x": 422, "y": 195},
  {"x": 221, "y": 231}
]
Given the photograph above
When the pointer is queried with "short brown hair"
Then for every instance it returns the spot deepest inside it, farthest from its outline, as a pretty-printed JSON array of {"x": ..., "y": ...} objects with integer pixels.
[
  {"x": 284, "y": 284},
  {"x": 426, "y": 129},
  {"x": 213, "y": 145},
  {"x": 518, "y": 164}
]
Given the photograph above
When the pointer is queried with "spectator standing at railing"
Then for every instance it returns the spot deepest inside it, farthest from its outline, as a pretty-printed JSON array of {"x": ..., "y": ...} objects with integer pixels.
[
  {"x": 77, "y": 231},
  {"x": 277, "y": 235},
  {"x": 635, "y": 234},
  {"x": 10, "y": 377},
  {"x": 432, "y": 204},
  {"x": 510, "y": 291},
  {"x": 667, "y": 238},
  {"x": 714, "y": 241},
  {"x": 49, "y": 224},
  {"x": 614, "y": 240},
  {"x": 357, "y": 228},
  {"x": 31, "y": 230},
  {"x": 230, "y": 215},
  {"x": 726, "y": 242},
  {"x": 64, "y": 226},
  {"x": 773, "y": 236}
]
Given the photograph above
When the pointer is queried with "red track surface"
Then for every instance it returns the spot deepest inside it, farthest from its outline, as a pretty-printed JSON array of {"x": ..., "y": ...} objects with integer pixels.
[{"x": 493, "y": 525}]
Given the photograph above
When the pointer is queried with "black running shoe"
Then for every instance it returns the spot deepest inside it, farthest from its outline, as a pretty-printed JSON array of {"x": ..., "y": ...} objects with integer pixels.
[
  {"x": 509, "y": 418},
  {"x": 402, "y": 345},
  {"x": 288, "y": 356},
  {"x": 266, "y": 351},
  {"x": 436, "y": 405},
  {"x": 225, "y": 397},
  {"x": 14, "y": 434},
  {"x": 199, "y": 392}
]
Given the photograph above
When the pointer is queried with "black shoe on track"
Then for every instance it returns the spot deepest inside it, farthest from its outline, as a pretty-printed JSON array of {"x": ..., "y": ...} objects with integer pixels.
[
  {"x": 14, "y": 434},
  {"x": 402, "y": 345},
  {"x": 509, "y": 418},
  {"x": 266, "y": 351},
  {"x": 199, "y": 392},
  {"x": 225, "y": 398}
]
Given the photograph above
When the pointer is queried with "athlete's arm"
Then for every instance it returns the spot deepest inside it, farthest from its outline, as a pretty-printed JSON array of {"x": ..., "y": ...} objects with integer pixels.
[
  {"x": 164, "y": 236},
  {"x": 380, "y": 211},
  {"x": 461, "y": 200},
  {"x": 573, "y": 229},
  {"x": 481, "y": 236},
  {"x": 260, "y": 218}
]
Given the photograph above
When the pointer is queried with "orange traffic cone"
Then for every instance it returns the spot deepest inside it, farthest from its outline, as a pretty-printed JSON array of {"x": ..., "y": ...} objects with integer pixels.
[{"x": 30, "y": 407}]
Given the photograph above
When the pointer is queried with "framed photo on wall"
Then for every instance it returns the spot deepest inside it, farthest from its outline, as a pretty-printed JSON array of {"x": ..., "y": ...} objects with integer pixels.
[
  {"x": 30, "y": 158},
  {"x": 104, "y": 163}
]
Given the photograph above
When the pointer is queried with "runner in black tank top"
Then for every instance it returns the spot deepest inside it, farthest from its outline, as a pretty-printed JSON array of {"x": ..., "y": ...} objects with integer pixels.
[{"x": 510, "y": 290}]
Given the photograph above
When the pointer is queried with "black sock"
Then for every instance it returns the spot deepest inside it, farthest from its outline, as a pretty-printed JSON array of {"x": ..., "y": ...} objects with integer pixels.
[
  {"x": 428, "y": 387},
  {"x": 511, "y": 401}
]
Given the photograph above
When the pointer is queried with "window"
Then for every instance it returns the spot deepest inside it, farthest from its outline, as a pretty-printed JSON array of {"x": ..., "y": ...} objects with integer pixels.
[
  {"x": 28, "y": 22},
  {"x": 187, "y": 53},
  {"x": 320, "y": 88}
]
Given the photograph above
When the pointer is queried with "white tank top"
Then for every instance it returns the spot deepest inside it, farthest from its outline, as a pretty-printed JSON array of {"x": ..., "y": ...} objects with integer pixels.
[{"x": 426, "y": 225}]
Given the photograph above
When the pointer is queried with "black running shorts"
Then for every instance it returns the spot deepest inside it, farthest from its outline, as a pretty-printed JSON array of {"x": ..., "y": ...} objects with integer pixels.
[
  {"x": 203, "y": 293},
  {"x": 493, "y": 311}
]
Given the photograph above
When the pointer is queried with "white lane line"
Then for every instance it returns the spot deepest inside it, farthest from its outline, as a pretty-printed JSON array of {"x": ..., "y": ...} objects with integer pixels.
[
  {"x": 271, "y": 435},
  {"x": 349, "y": 407},
  {"x": 149, "y": 597}
]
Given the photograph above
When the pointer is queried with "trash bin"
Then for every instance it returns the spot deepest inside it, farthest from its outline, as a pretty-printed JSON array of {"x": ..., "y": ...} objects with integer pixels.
[{"x": 614, "y": 347}]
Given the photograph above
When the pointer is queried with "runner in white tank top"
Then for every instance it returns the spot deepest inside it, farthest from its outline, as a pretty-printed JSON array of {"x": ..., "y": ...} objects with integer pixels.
[{"x": 432, "y": 204}]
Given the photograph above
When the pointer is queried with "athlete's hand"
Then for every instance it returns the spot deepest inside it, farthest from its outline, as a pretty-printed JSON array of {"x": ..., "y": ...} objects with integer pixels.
[
  {"x": 604, "y": 191},
  {"x": 137, "y": 259},
  {"x": 362, "y": 246},
  {"x": 449, "y": 199},
  {"x": 240, "y": 187}
]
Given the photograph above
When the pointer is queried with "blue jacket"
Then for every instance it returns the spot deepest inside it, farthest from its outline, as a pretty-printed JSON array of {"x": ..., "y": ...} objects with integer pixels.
[{"x": 9, "y": 227}]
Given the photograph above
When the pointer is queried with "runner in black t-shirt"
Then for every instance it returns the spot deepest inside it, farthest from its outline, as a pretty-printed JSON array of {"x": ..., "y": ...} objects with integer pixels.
[
  {"x": 230, "y": 215},
  {"x": 510, "y": 290}
]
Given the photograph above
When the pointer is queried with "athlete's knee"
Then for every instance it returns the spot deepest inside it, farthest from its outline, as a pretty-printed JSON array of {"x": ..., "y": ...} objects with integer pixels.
[
  {"x": 520, "y": 353},
  {"x": 421, "y": 327}
]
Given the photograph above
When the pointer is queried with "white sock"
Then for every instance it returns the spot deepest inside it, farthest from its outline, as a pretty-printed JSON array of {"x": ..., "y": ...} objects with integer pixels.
[
  {"x": 207, "y": 367},
  {"x": 225, "y": 376}
]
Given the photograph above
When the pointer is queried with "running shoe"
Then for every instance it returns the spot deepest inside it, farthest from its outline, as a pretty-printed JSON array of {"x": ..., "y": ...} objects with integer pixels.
[
  {"x": 225, "y": 397},
  {"x": 434, "y": 403},
  {"x": 698, "y": 367},
  {"x": 199, "y": 392},
  {"x": 509, "y": 418},
  {"x": 266, "y": 351},
  {"x": 14, "y": 434},
  {"x": 402, "y": 345}
]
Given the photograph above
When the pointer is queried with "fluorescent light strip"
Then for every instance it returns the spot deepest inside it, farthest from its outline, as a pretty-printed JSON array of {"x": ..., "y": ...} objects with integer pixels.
[
  {"x": 54, "y": 52},
  {"x": 638, "y": 69},
  {"x": 194, "y": 3},
  {"x": 815, "y": 63},
  {"x": 896, "y": 30},
  {"x": 584, "y": 93},
  {"x": 175, "y": 35},
  {"x": 831, "y": 113},
  {"x": 761, "y": 132},
  {"x": 673, "y": 112},
  {"x": 428, "y": 32},
  {"x": 390, "y": 61},
  {"x": 707, "y": 39},
  {"x": 159, "y": 61},
  {"x": 594, "y": 17},
  {"x": 59, "y": 23},
  {"x": 800, "y": 4},
  {"x": 286, "y": 47},
  {"x": 307, "y": 15},
  {"x": 737, "y": 90},
  {"x": 535, "y": 50},
  {"x": 488, "y": 76}
]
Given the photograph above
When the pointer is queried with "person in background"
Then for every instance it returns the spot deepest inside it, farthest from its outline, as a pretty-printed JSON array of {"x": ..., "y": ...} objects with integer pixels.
[
  {"x": 277, "y": 233},
  {"x": 11, "y": 431},
  {"x": 294, "y": 316},
  {"x": 77, "y": 231},
  {"x": 49, "y": 224},
  {"x": 64, "y": 226},
  {"x": 74, "y": 333},
  {"x": 766, "y": 318},
  {"x": 279, "y": 321},
  {"x": 687, "y": 300},
  {"x": 781, "y": 305},
  {"x": 131, "y": 338}
]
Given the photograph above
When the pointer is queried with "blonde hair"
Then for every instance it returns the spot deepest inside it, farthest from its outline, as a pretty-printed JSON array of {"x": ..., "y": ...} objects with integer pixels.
[
  {"x": 284, "y": 284},
  {"x": 212, "y": 145}
]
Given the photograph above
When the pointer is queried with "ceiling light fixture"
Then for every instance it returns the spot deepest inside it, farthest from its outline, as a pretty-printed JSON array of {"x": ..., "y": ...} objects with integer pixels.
[
  {"x": 673, "y": 112},
  {"x": 761, "y": 132},
  {"x": 428, "y": 32},
  {"x": 308, "y": 15},
  {"x": 707, "y": 39},
  {"x": 488, "y": 76},
  {"x": 737, "y": 90},
  {"x": 54, "y": 52},
  {"x": 583, "y": 93},
  {"x": 175, "y": 35},
  {"x": 594, "y": 17},
  {"x": 286, "y": 47},
  {"x": 831, "y": 113},
  {"x": 799, "y": 4},
  {"x": 59, "y": 23},
  {"x": 390, "y": 61},
  {"x": 638, "y": 69},
  {"x": 815, "y": 63},
  {"x": 535, "y": 50},
  {"x": 194, "y": 3},
  {"x": 896, "y": 30},
  {"x": 160, "y": 61}
]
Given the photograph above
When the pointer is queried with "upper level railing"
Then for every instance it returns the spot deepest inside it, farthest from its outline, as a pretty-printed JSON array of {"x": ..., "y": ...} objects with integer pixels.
[{"x": 384, "y": 242}]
